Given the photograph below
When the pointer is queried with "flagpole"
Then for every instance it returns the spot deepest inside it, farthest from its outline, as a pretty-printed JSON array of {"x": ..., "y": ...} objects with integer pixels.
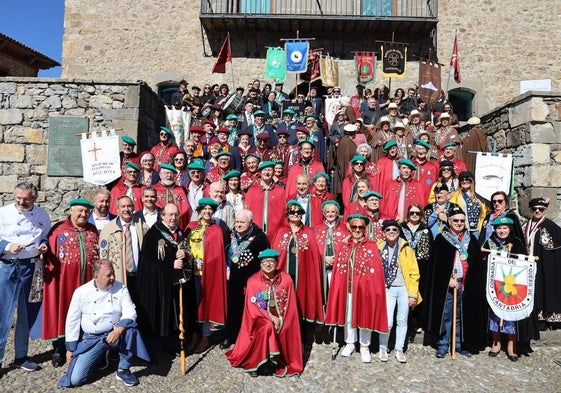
[
  {"x": 450, "y": 67},
  {"x": 231, "y": 64}
]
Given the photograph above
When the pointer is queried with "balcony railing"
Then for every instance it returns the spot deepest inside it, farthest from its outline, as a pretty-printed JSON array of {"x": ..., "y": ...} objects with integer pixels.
[{"x": 334, "y": 8}]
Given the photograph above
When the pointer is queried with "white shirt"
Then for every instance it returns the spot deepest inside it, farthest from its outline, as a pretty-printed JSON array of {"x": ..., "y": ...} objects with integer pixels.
[
  {"x": 150, "y": 217},
  {"x": 97, "y": 311},
  {"x": 29, "y": 228},
  {"x": 100, "y": 222}
]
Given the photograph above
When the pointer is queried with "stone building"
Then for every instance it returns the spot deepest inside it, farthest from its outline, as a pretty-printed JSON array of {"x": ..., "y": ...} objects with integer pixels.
[
  {"x": 161, "y": 42},
  {"x": 17, "y": 59}
]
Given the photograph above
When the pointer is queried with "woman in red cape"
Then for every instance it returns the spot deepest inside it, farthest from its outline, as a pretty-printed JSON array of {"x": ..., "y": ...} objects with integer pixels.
[
  {"x": 301, "y": 259},
  {"x": 358, "y": 278},
  {"x": 270, "y": 330}
]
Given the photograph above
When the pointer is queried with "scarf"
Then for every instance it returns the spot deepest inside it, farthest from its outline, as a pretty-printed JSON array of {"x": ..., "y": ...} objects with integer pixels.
[{"x": 390, "y": 264}]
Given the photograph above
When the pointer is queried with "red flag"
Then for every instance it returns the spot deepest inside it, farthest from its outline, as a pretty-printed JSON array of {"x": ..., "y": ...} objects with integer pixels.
[
  {"x": 313, "y": 71},
  {"x": 224, "y": 57},
  {"x": 455, "y": 61}
]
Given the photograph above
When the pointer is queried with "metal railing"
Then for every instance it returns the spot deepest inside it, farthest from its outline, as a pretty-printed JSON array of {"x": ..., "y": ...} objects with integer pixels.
[{"x": 343, "y": 8}]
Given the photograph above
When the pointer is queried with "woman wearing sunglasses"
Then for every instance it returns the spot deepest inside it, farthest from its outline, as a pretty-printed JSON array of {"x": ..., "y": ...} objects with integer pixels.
[{"x": 500, "y": 208}]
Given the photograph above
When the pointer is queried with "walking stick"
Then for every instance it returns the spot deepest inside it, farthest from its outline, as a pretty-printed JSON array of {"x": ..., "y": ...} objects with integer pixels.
[
  {"x": 454, "y": 304},
  {"x": 181, "y": 328}
]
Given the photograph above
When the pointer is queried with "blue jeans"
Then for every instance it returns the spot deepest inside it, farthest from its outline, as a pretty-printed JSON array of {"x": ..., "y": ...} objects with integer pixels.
[
  {"x": 13, "y": 277},
  {"x": 443, "y": 342},
  {"x": 85, "y": 362},
  {"x": 396, "y": 295}
]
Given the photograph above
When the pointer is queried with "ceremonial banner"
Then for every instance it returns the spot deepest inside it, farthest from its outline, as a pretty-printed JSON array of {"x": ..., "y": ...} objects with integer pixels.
[
  {"x": 100, "y": 157},
  {"x": 510, "y": 285},
  {"x": 296, "y": 55},
  {"x": 179, "y": 121},
  {"x": 455, "y": 61},
  {"x": 394, "y": 60},
  {"x": 329, "y": 68},
  {"x": 332, "y": 106},
  {"x": 225, "y": 56},
  {"x": 365, "y": 65},
  {"x": 276, "y": 64},
  {"x": 493, "y": 172},
  {"x": 430, "y": 80},
  {"x": 312, "y": 72}
]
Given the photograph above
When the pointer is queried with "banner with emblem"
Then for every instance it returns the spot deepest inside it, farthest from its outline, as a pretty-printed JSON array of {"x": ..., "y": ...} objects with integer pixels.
[
  {"x": 430, "y": 80},
  {"x": 179, "y": 121},
  {"x": 312, "y": 72},
  {"x": 329, "y": 68},
  {"x": 510, "y": 285},
  {"x": 275, "y": 67},
  {"x": 493, "y": 172},
  {"x": 100, "y": 157},
  {"x": 365, "y": 65},
  {"x": 394, "y": 62},
  {"x": 296, "y": 55},
  {"x": 332, "y": 106}
]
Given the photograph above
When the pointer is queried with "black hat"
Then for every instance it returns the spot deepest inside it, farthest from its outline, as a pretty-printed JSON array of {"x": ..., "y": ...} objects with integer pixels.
[
  {"x": 455, "y": 210},
  {"x": 390, "y": 223},
  {"x": 541, "y": 201},
  {"x": 466, "y": 175},
  {"x": 444, "y": 163},
  {"x": 439, "y": 187}
]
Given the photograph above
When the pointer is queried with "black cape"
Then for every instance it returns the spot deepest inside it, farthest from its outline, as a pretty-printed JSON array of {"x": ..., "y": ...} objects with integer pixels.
[{"x": 547, "y": 246}]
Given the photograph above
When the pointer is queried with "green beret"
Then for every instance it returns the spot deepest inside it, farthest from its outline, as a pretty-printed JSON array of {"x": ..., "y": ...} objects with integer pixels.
[
  {"x": 223, "y": 153},
  {"x": 129, "y": 140},
  {"x": 268, "y": 253},
  {"x": 450, "y": 144},
  {"x": 253, "y": 155},
  {"x": 360, "y": 216},
  {"x": 266, "y": 164},
  {"x": 369, "y": 194},
  {"x": 502, "y": 221},
  {"x": 279, "y": 83},
  {"x": 321, "y": 174},
  {"x": 132, "y": 165},
  {"x": 259, "y": 112},
  {"x": 409, "y": 163},
  {"x": 294, "y": 202},
  {"x": 312, "y": 116},
  {"x": 331, "y": 202},
  {"x": 169, "y": 167},
  {"x": 81, "y": 202},
  {"x": 232, "y": 117},
  {"x": 306, "y": 141},
  {"x": 197, "y": 164},
  {"x": 208, "y": 202},
  {"x": 170, "y": 132},
  {"x": 289, "y": 111},
  {"x": 420, "y": 142},
  {"x": 390, "y": 144},
  {"x": 231, "y": 174},
  {"x": 358, "y": 158}
]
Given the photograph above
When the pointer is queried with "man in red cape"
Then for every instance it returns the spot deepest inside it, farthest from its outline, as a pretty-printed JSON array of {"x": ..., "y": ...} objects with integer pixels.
[
  {"x": 270, "y": 331},
  {"x": 427, "y": 171},
  {"x": 305, "y": 164},
  {"x": 358, "y": 279},
  {"x": 168, "y": 192}
]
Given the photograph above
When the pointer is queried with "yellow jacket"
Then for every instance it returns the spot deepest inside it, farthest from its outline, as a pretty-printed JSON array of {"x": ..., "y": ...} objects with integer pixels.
[
  {"x": 456, "y": 197},
  {"x": 409, "y": 267}
]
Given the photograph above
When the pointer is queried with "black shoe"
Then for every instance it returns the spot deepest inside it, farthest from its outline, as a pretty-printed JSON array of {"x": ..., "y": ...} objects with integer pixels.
[
  {"x": 227, "y": 343},
  {"x": 512, "y": 358},
  {"x": 254, "y": 374},
  {"x": 494, "y": 354},
  {"x": 58, "y": 360}
]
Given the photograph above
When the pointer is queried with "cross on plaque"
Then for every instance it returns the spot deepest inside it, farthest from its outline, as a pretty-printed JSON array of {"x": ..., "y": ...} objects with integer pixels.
[{"x": 94, "y": 150}]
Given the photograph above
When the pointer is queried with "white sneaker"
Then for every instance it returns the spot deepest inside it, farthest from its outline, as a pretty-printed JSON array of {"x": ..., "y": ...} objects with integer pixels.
[
  {"x": 400, "y": 356},
  {"x": 383, "y": 354},
  {"x": 365, "y": 355},
  {"x": 348, "y": 350}
]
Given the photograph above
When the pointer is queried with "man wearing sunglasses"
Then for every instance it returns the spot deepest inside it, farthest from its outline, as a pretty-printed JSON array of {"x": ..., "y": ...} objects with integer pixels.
[
  {"x": 543, "y": 239},
  {"x": 165, "y": 149},
  {"x": 455, "y": 266}
]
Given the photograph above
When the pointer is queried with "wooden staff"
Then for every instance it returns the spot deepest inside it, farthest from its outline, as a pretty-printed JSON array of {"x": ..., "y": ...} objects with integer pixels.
[
  {"x": 181, "y": 329},
  {"x": 454, "y": 304}
]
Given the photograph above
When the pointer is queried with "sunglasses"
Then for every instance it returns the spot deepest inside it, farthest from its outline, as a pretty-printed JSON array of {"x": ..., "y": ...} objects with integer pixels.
[
  {"x": 358, "y": 163},
  {"x": 457, "y": 220},
  {"x": 465, "y": 181},
  {"x": 296, "y": 212},
  {"x": 355, "y": 227},
  {"x": 391, "y": 230},
  {"x": 538, "y": 208},
  {"x": 179, "y": 159},
  {"x": 131, "y": 172},
  {"x": 497, "y": 201},
  {"x": 282, "y": 136},
  {"x": 164, "y": 134},
  {"x": 414, "y": 213},
  {"x": 446, "y": 169}
]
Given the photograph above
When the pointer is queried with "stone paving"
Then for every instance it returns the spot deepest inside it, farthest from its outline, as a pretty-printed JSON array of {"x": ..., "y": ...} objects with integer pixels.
[{"x": 423, "y": 372}]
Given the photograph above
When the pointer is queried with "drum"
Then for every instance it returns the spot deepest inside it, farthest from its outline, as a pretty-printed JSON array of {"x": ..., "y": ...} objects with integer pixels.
[{"x": 233, "y": 104}]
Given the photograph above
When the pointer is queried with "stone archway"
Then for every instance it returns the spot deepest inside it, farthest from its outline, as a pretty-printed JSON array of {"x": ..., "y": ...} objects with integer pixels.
[{"x": 462, "y": 101}]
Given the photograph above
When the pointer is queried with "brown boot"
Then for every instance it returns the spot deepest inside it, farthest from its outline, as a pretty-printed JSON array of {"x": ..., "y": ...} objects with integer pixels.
[{"x": 204, "y": 344}]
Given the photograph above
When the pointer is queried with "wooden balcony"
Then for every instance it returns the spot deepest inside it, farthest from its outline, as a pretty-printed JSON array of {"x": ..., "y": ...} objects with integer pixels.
[{"x": 338, "y": 26}]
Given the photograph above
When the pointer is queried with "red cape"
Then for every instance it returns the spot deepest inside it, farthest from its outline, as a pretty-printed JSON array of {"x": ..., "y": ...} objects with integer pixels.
[
  {"x": 369, "y": 290},
  {"x": 426, "y": 174},
  {"x": 413, "y": 193},
  {"x": 257, "y": 341},
  {"x": 178, "y": 195},
  {"x": 119, "y": 190},
  {"x": 297, "y": 169},
  {"x": 212, "y": 307},
  {"x": 163, "y": 154},
  {"x": 255, "y": 201},
  {"x": 63, "y": 273},
  {"x": 309, "y": 268}
]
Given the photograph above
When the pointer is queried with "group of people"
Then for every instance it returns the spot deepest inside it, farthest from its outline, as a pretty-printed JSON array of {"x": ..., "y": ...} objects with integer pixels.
[{"x": 242, "y": 230}]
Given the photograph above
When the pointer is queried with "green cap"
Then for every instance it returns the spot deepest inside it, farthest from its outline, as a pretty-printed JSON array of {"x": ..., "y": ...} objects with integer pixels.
[
  {"x": 502, "y": 221},
  {"x": 129, "y": 140},
  {"x": 420, "y": 142},
  {"x": 451, "y": 144},
  {"x": 169, "y": 167},
  {"x": 390, "y": 144},
  {"x": 197, "y": 164},
  {"x": 358, "y": 158},
  {"x": 252, "y": 155},
  {"x": 259, "y": 112},
  {"x": 289, "y": 111},
  {"x": 132, "y": 165},
  {"x": 321, "y": 174},
  {"x": 268, "y": 253},
  {"x": 406, "y": 161},
  {"x": 81, "y": 202},
  {"x": 266, "y": 164},
  {"x": 170, "y": 132},
  {"x": 331, "y": 202},
  {"x": 232, "y": 117},
  {"x": 224, "y": 154},
  {"x": 294, "y": 202},
  {"x": 306, "y": 141},
  {"x": 231, "y": 174},
  {"x": 208, "y": 202},
  {"x": 359, "y": 216},
  {"x": 369, "y": 194}
]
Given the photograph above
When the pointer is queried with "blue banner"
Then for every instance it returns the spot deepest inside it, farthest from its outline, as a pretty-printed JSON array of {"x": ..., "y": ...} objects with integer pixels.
[{"x": 296, "y": 56}]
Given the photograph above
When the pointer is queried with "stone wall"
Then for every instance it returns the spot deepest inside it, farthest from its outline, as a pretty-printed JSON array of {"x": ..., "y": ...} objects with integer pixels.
[
  {"x": 26, "y": 104},
  {"x": 500, "y": 43},
  {"x": 529, "y": 126}
]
